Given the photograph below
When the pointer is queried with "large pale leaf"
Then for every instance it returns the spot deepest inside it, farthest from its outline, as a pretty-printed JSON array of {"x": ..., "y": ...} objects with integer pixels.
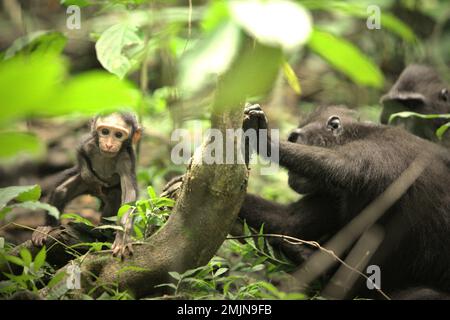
[
  {"x": 20, "y": 193},
  {"x": 119, "y": 47},
  {"x": 274, "y": 22},
  {"x": 36, "y": 205},
  {"x": 209, "y": 58},
  {"x": 346, "y": 58}
]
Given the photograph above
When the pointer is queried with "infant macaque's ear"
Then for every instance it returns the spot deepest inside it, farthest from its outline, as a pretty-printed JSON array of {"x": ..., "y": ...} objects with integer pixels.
[{"x": 137, "y": 136}]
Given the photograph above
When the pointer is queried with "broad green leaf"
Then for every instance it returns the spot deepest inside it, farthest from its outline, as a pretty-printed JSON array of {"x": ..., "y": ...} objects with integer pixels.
[
  {"x": 95, "y": 92},
  {"x": 20, "y": 193},
  {"x": 209, "y": 58},
  {"x": 278, "y": 23},
  {"x": 13, "y": 259},
  {"x": 220, "y": 271},
  {"x": 151, "y": 192},
  {"x": 175, "y": 275},
  {"x": 251, "y": 75},
  {"x": 397, "y": 26},
  {"x": 217, "y": 13},
  {"x": 35, "y": 205},
  {"x": 119, "y": 47},
  {"x": 258, "y": 267},
  {"x": 77, "y": 219},
  {"x": 388, "y": 21},
  {"x": 291, "y": 78},
  {"x": 13, "y": 144},
  {"x": 346, "y": 58},
  {"x": 27, "y": 83},
  {"x": 56, "y": 279},
  {"x": 442, "y": 129},
  {"x": 26, "y": 256},
  {"x": 123, "y": 209},
  {"x": 39, "y": 41},
  {"x": 39, "y": 259}
]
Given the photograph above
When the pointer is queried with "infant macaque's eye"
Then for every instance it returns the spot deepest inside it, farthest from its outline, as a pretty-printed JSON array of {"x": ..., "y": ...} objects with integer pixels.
[{"x": 105, "y": 132}]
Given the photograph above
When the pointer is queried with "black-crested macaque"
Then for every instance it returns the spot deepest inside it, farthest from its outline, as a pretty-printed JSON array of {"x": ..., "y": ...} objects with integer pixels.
[
  {"x": 340, "y": 165},
  {"x": 105, "y": 169},
  {"x": 419, "y": 89}
]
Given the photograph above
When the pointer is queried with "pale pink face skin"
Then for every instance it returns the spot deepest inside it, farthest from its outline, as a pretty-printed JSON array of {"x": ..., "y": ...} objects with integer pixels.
[{"x": 112, "y": 132}]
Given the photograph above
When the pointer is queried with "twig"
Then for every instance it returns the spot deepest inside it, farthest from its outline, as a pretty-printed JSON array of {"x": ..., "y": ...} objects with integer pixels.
[{"x": 315, "y": 244}]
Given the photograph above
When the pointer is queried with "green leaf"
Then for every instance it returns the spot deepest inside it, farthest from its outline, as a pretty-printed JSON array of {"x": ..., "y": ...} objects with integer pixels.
[
  {"x": 398, "y": 27},
  {"x": 36, "y": 205},
  {"x": 14, "y": 144},
  {"x": 39, "y": 259},
  {"x": 39, "y": 41},
  {"x": 220, "y": 271},
  {"x": 291, "y": 78},
  {"x": 175, "y": 275},
  {"x": 151, "y": 192},
  {"x": 258, "y": 267},
  {"x": 26, "y": 256},
  {"x": 123, "y": 209},
  {"x": 20, "y": 193},
  {"x": 119, "y": 47},
  {"x": 209, "y": 58},
  {"x": 96, "y": 92},
  {"x": 442, "y": 129},
  {"x": 240, "y": 81},
  {"x": 13, "y": 259},
  {"x": 77, "y": 219},
  {"x": 56, "y": 279},
  {"x": 27, "y": 84},
  {"x": 216, "y": 14},
  {"x": 277, "y": 23},
  {"x": 346, "y": 58},
  {"x": 388, "y": 21}
]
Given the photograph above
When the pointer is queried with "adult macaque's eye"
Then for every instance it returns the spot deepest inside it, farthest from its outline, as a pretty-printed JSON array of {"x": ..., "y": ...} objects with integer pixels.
[
  {"x": 118, "y": 135},
  {"x": 443, "y": 95},
  {"x": 105, "y": 132},
  {"x": 333, "y": 123}
]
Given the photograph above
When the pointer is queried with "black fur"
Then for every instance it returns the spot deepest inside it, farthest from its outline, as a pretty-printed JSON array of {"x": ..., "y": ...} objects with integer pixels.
[{"x": 341, "y": 173}]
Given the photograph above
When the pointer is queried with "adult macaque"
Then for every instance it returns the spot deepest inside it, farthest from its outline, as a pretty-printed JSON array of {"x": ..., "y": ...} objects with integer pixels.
[
  {"x": 105, "y": 169},
  {"x": 341, "y": 165},
  {"x": 418, "y": 89}
]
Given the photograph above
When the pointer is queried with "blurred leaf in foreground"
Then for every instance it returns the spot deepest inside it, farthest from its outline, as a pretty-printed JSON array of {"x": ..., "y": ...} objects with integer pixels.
[
  {"x": 38, "y": 42},
  {"x": 278, "y": 23},
  {"x": 346, "y": 58},
  {"x": 16, "y": 143}
]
